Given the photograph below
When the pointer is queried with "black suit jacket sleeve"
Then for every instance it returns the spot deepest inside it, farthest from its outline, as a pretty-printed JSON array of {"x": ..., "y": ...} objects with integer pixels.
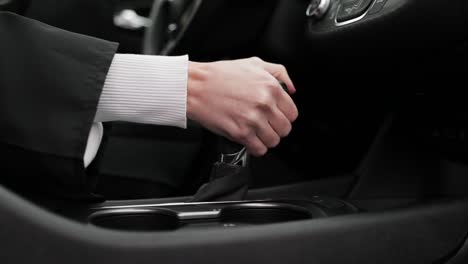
[{"x": 50, "y": 84}]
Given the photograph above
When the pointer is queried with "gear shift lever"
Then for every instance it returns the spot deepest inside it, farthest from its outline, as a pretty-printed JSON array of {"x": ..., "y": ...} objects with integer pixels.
[
  {"x": 233, "y": 154},
  {"x": 230, "y": 176}
]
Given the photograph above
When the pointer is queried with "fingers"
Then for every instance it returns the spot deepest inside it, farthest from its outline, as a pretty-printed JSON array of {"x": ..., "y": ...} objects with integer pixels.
[
  {"x": 279, "y": 72},
  {"x": 250, "y": 140},
  {"x": 283, "y": 101},
  {"x": 280, "y": 123},
  {"x": 264, "y": 132},
  {"x": 268, "y": 135},
  {"x": 256, "y": 147},
  {"x": 287, "y": 107},
  {"x": 261, "y": 130}
]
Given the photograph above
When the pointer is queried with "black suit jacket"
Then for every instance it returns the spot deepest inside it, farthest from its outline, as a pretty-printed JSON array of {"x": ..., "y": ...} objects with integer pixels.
[{"x": 50, "y": 84}]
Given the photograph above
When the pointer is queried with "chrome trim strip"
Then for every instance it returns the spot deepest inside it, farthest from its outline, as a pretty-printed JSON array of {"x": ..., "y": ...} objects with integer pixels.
[
  {"x": 119, "y": 212},
  {"x": 319, "y": 11},
  {"x": 338, "y": 24},
  {"x": 136, "y": 206},
  {"x": 199, "y": 215}
]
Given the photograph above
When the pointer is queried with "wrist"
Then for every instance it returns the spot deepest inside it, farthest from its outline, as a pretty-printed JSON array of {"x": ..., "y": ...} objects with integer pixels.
[{"x": 197, "y": 77}]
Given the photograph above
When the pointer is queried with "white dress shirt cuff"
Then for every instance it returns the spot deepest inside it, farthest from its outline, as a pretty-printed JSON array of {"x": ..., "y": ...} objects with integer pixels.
[
  {"x": 145, "y": 89},
  {"x": 94, "y": 141},
  {"x": 141, "y": 89}
]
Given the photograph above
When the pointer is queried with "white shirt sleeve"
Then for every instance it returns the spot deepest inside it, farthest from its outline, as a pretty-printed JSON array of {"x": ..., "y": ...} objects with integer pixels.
[{"x": 141, "y": 89}]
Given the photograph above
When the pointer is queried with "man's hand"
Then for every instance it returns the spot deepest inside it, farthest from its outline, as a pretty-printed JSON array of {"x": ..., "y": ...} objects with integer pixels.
[{"x": 243, "y": 101}]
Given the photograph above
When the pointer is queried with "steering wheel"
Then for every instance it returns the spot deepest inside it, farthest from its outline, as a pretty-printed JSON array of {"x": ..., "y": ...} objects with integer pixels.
[
  {"x": 17, "y": 6},
  {"x": 170, "y": 20}
]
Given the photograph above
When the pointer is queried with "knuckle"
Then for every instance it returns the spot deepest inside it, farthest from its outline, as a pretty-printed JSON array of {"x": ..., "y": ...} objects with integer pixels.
[
  {"x": 262, "y": 151},
  {"x": 272, "y": 84},
  {"x": 259, "y": 152},
  {"x": 243, "y": 137},
  {"x": 244, "y": 134},
  {"x": 264, "y": 104},
  {"x": 282, "y": 68},
  {"x": 273, "y": 89},
  {"x": 265, "y": 100},
  {"x": 274, "y": 142},
  {"x": 251, "y": 118},
  {"x": 256, "y": 149},
  {"x": 286, "y": 130},
  {"x": 256, "y": 59},
  {"x": 256, "y": 153},
  {"x": 238, "y": 135},
  {"x": 294, "y": 115}
]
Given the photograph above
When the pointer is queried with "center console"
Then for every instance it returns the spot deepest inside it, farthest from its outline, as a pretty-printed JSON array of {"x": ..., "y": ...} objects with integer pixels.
[{"x": 149, "y": 217}]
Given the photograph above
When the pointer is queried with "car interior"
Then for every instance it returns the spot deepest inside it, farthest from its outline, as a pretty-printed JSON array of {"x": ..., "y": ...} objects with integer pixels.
[{"x": 374, "y": 171}]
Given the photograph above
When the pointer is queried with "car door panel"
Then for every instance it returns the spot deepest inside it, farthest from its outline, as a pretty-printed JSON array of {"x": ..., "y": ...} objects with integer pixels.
[{"x": 419, "y": 235}]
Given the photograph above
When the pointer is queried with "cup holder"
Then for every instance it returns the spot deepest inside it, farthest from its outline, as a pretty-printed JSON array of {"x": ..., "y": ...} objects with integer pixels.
[
  {"x": 260, "y": 213},
  {"x": 162, "y": 219},
  {"x": 136, "y": 220}
]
